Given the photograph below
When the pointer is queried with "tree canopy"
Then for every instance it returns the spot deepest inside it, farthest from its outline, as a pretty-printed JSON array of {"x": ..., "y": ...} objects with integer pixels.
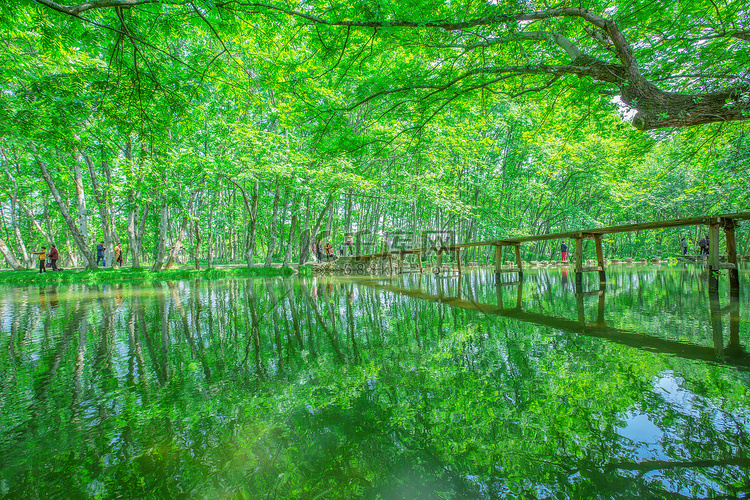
[
  {"x": 247, "y": 131},
  {"x": 673, "y": 65}
]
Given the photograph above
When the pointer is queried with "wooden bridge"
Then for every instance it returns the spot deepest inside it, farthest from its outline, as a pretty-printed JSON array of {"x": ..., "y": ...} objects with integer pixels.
[{"x": 715, "y": 223}]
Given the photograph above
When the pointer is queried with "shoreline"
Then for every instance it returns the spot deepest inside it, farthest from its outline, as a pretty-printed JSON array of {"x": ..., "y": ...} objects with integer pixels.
[{"x": 114, "y": 275}]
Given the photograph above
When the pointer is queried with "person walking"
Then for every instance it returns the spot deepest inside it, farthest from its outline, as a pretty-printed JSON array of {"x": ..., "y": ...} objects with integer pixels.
[
  {"x": 53, "y": 256},
  {"x": 564, "y": 251},
  {"x": 684, "y": 245},
  {"x": 100, "y": 254},
  {"x": 118, "y": 255},
  {"x": 42, "y": 260},
  {"x": 350, "y": 243}
]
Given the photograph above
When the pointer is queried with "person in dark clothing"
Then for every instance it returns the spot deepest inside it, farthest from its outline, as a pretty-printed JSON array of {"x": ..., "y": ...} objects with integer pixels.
[
  {"x": 564, "y": 251},
  {"x": 319, "y": 252},
  {"x": 100, "y": 254},
  {"x": 684, "y": 245},
  {"x": 53, "y": 256},
  {"x": 703, "y": 244}
]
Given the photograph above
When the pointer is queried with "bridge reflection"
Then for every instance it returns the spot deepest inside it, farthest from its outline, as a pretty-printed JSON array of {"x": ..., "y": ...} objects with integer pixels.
[{"x": 732, "y": 353}]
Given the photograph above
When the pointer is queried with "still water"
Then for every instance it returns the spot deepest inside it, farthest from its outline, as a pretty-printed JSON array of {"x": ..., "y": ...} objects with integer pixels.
[{"x": 377, "y": 387}]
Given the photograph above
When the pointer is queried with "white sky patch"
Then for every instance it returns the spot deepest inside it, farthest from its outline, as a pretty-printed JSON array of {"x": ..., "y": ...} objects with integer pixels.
[{"x": 626, "y": 112}]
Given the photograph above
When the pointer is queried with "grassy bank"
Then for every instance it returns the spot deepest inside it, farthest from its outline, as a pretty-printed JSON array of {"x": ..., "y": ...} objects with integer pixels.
[{"x": 109, "y": 275}]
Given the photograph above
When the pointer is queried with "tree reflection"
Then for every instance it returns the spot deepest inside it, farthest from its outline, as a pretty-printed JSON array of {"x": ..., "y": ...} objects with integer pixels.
[{"x": 415, "y": 386}]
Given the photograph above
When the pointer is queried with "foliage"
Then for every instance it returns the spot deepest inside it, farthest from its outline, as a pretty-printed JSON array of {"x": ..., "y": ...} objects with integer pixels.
[{"x": 409, "y": 122}]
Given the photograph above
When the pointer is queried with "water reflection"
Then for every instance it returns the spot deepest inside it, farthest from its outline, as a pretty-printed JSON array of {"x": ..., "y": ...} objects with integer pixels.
[
  {"x": 734, "y": 353},
  {"x": 396, "y": 387}
]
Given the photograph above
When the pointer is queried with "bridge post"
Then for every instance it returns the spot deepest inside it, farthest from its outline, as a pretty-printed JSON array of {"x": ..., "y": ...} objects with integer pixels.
[
  {"x": 579, "y": 306},
  {"x": 600, "y": 259},
  {"x": 458, "y": 259},
  {"x": 519, "y": 262},
  {"x": 579, "y": 263},
  {"x": 734, "y": 277},
  {"x": 713, "y": 254},
  {"x": 419, "y": 261},
  {"x": 716, "y": 327},
  {"x": 498, "y": 261},
  {"x": 734, "y": 348},
  {"x": 519, "y": 295}
]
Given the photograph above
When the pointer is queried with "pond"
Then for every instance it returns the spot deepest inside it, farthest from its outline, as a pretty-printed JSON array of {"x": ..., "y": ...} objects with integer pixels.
[{"x": 377, "y": 387}]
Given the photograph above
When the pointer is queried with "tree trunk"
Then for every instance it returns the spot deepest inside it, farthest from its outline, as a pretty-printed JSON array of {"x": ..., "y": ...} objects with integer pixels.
[
  {"x": 108, "y": 203},
  {"x": 304, "y": 237},
  {"x": 81, "y": 203},
  {"x": 142, "y": 229},
  {"x": 284, "y": 210},
  {"x": 104, "y": 217},
  {"x": 134, "y": 230},
  {"x": 13, "y": 210},
  {"x": 78, "y": 236},
  {"x": 319, "y": 222},
  {"x": 9, "y": 257},
  {"x": 135, "y": 233},
  {"x": 414, "y": 223},
  {"x": 177, "y": 245},
  {"x": 210, "y": 245},
  {"x": 472, "y": 225},
  {"x": 329, "y": 224},
  {"x": 163, "y": 226},
  {"x": 46, "y": 234},
  {"x": 72, "y": 259},
  {"x": 349, "y": 207},
  {"x": 132, "y": 214},
  {"x": 292, "y": 228},
  {"x": 374, "y": 227},
  {"x": 253, "y": 211},
  {"x": 17, "y": 233},
  {"x": 274, "y": 219},
  {"x": 197, "y": 247}
]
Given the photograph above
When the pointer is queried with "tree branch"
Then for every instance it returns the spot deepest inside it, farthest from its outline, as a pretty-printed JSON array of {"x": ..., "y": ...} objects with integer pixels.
[
  {"x": 650, "y": 465},
  {"x": 572, "y": 51},
  {"x": 74, "y": 10}
]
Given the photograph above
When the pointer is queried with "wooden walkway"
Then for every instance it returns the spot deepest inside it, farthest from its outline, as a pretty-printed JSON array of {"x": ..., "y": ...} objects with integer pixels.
[{"x": 715, "y": 223}]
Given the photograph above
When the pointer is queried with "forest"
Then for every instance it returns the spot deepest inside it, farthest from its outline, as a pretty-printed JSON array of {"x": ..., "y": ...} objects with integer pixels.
[
  {"x": 210, "y": 132},
  {"x": 220, "y": 143}
]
